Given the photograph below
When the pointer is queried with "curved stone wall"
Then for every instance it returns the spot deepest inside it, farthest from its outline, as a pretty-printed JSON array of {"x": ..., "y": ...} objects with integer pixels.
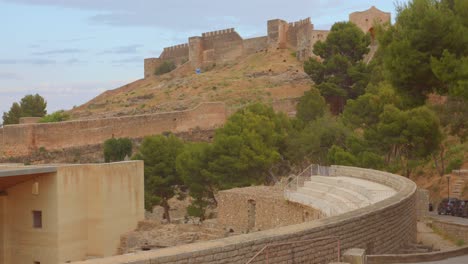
[{"x": 383, "y": 227}]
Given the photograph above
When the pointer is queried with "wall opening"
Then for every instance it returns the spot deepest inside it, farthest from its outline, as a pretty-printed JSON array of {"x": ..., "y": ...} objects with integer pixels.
[
  {"x": 37, "y": 219},
  {"x": 251, "y": 214}
]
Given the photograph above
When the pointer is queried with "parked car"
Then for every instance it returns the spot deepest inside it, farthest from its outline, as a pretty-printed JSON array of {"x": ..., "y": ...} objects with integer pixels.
[
  {"x": 464, "y": 209},
  {"x": 446, "y": 206}
]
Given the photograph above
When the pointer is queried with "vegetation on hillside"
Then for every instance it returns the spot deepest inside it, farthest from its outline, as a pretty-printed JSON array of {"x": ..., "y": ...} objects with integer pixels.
[
  {"x": 29, "y": 106},
  {"x": 383, "y": 119}
]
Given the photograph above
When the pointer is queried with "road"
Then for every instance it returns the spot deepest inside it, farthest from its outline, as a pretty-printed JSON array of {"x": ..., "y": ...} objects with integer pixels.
[{"x": 449, "y": 218}]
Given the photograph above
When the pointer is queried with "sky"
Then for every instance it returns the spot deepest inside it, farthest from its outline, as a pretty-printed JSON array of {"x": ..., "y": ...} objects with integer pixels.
[{"x": 70, "y": 51}]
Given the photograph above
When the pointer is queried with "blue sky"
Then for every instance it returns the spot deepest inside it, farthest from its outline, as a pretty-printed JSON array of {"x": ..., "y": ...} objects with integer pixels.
[{"x": 69, "y": 51}]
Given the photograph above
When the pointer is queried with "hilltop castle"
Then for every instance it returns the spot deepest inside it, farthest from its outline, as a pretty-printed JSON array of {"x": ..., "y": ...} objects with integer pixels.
[{"x": 227, "y": 45}]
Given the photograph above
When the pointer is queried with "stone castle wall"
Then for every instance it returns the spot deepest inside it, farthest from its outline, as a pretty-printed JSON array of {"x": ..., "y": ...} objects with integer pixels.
[
  {"x": 21, "y": 140},
  {"x": 227, "y": 45},
  {"x": 384, "y": 227}
]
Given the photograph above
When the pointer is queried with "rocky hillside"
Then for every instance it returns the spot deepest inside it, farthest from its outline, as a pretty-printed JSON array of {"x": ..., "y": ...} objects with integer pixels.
[{"x": 265, "y": 76}]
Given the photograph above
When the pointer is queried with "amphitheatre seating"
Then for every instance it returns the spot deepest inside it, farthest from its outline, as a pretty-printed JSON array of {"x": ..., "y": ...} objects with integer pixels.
[{"x": 335, "y": 195}]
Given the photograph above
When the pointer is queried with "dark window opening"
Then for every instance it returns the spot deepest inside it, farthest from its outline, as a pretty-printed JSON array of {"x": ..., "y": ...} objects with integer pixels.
[
  {"x": 37, "y": 262},
  {"x": 37, "y": 220}
]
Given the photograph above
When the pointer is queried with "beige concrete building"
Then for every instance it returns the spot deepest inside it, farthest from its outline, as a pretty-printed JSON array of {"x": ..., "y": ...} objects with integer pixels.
[{"x": 62, "y": 213}]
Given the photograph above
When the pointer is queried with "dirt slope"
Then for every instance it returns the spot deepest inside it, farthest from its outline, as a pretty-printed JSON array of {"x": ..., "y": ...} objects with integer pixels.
[{"x": 265, "y": 76}]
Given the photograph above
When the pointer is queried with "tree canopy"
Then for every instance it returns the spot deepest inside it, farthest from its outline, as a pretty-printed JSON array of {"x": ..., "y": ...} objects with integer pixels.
[
  {"x": 29, "y": 106},
  {"x": 340, "y": 74}
]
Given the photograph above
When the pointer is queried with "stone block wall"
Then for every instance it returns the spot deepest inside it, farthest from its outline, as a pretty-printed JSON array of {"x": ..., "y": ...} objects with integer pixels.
[
  {"x": 365, "y": 20},
  {"x": 19, "y": 140},
  {"x": 454, "y": 230},
  {"x": 422, "y": 206},
  {"x": 380, "y": 228},
  {"x": 254, "y": 45},
  {"x": 260, "y": 208},
  {"x": 177, "y": 54},
  {"x": 151, "y": 64}
]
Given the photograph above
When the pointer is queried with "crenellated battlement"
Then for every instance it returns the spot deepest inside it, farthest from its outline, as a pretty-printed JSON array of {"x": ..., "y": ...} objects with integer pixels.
[
  {"x": 227, "y": 45},
  {"x": 218, "y": 32},
  {"x": 176, "y": 47},
  {"x": 301, "y": 22}
]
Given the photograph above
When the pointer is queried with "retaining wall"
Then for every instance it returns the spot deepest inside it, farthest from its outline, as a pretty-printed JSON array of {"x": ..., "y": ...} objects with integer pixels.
[
  {"x": 21, "y": 140},
  {"x": 380, "y": 228}
]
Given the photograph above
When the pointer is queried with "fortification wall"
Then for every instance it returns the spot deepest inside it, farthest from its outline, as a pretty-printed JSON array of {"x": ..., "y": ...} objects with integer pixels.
[
  {"x": 383, "y": 227},
  {"x": 222, "y": 45},
  {"x": 277, "y": 33},
  {"x": 365, "y": 20},
  {"x": 253, "y": 45},
  {"x": 178, "y": 54},
  {"x": 21, "y": 140},
  {"x": 299, "y": 33},
  {"x": 150, "y": 66}
]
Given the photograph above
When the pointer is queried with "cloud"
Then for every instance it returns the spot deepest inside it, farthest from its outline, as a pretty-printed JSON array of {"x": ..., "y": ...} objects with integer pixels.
[
  {"x": 27, "y": 61},
  {"x": 9, "y": 76},
  {"x": 57, "y": 51},
  {"x": 128, "y": 60},
  {"x": 129, "y": 49}
]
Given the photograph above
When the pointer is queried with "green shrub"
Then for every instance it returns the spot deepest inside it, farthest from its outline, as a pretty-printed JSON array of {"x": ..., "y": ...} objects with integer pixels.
[
  {"x": 165, "y": 67},
  {"x": 58, "y": 116},
  {"x": 454, "y": 164},
  {"x": 116, "y": 149}
]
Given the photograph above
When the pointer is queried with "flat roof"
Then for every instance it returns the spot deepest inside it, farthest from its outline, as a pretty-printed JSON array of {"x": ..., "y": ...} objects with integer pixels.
[{"x": 21, "y": 171}]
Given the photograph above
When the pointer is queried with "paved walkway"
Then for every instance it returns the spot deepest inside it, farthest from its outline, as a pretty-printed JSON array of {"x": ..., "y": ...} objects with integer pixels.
[
  {"x": 449, "y": 218},
  {"x": 457, "y": 260}
]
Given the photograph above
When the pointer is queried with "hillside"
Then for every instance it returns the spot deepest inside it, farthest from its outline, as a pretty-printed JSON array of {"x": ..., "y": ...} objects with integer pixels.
[{"x": 265, "y": 76}]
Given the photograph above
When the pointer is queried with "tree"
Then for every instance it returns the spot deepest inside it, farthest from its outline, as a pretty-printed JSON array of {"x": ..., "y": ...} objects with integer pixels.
[
  {"x": 342, "y": 74},
  {"x": 193, "y": 167},
  {"x": 159, "y": 154},
  {"x": 57, "y": 116},
  {"x": 426, "y": 50},
  {"x": 248, "y": 145},
  {"x": 406, "y": 136},
  {"x": 33, "y": 106},
  {"x": 116, "y": 149},
  {"x": 311, "y": 106},
  {"x": 12, "y": 116},
  {"x": 29, "y": 106}
]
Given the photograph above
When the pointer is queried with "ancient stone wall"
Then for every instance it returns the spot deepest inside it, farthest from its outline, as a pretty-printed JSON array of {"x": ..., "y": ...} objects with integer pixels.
[
  {"x": 254, "y": 45},
  {"x": 260, "y": 208},
  {"x": 277, "y": 33},
  {"x": 20, "y": 140},
  {"x": 151, "y": 64},
  {"x": 221, "y": 45},
  {"x": 366, "y": 20},
  {"x": 299, "y": 33},
  {"x": 178, "y": 54},
  {"x": 380, "y": 228}
]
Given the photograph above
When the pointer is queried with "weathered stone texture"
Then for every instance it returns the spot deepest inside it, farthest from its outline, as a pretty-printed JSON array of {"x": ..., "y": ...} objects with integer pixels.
[
  {"x": 270, "y": 209},
  {"x": 366, "y": 20},
  {"x": 20, "y": 140},
  {"x": 384, "y": 227}
]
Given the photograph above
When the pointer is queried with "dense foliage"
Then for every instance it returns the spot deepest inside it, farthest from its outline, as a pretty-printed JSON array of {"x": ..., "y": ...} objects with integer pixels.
[
  {"x": 116, "y": 149},
  {"x": 340, "y": 74},
  {"x": 29, "y": 106},
  {"x": 58, "y": 116}
]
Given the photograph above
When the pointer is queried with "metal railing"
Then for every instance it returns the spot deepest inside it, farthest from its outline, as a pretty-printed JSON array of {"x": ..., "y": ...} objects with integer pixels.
[
  {"x": 297, "y": 181},
  {"x": 266, "y": 249}
]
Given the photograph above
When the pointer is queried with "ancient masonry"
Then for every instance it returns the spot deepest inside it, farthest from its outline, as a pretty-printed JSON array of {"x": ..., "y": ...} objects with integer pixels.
[{"x": 227, "y": 45}]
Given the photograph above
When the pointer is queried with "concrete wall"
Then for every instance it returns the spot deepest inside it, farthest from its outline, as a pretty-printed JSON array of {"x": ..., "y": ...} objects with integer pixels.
[
  {"x": 383, "y": 227},
  {"x": 85, "y": 210},
  {"x": 21, "y": 140},
  {"x": 454, "y": 230},
  {"x": 23, "y": 243},
  {"x": 422, "y": 205},
  {"x": 271, "y": 209}
]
